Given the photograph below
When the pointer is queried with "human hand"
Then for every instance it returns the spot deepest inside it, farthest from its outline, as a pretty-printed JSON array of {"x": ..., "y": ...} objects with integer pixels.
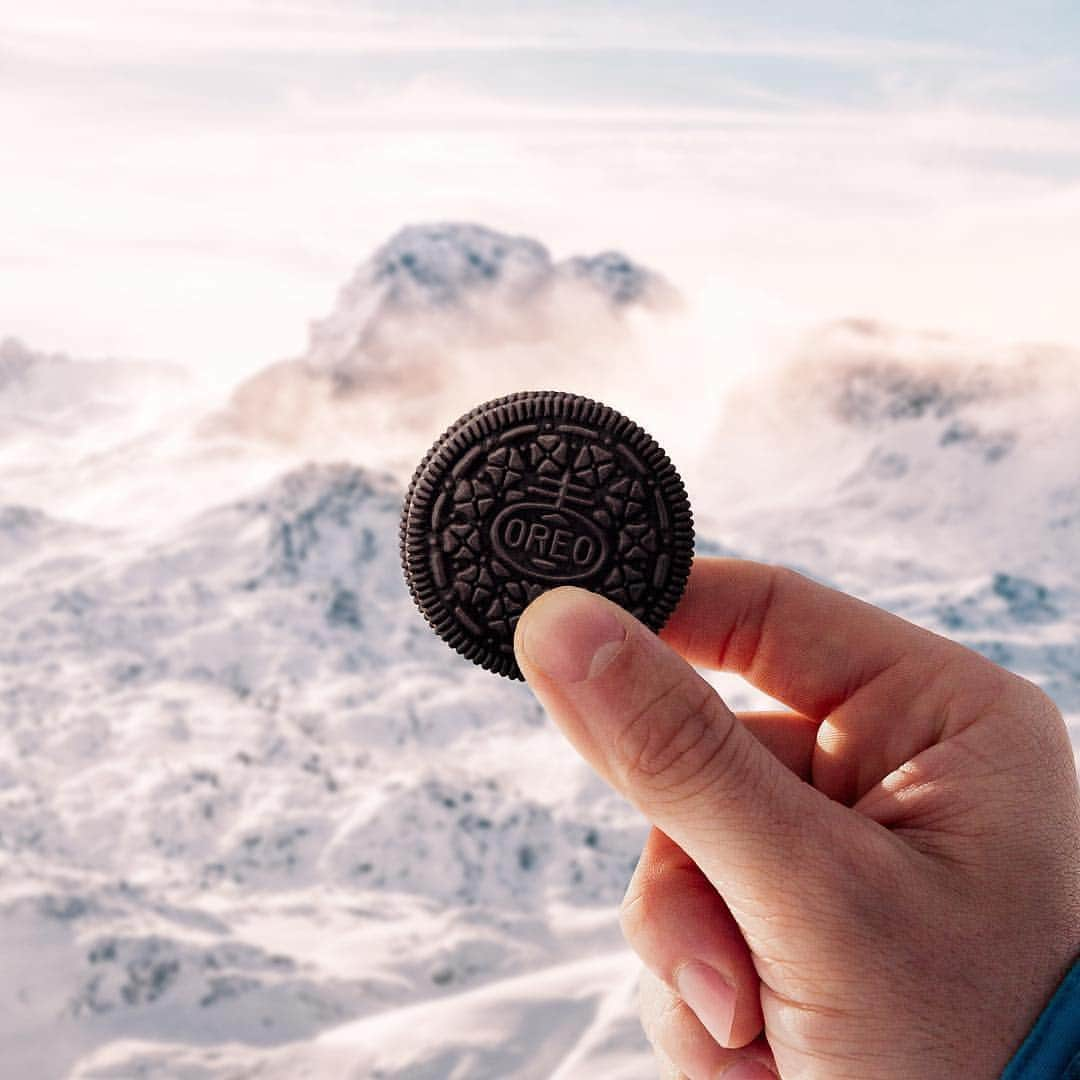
[{"x": 883, "y": 884}]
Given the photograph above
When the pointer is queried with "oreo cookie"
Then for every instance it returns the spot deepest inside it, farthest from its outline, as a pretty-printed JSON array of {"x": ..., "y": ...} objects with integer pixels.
[{"x": 535, "y": 490}]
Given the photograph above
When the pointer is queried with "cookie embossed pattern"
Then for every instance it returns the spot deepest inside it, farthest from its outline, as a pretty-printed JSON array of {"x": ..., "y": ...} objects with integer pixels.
[{"x": 535, "y": 490}]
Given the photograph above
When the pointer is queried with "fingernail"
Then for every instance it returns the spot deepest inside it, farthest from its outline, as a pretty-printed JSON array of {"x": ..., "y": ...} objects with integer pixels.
[
  {"x": 747, "y": 1070},
  {"x": 711, "y": 997},
  {"x": 570, "y": 634}
]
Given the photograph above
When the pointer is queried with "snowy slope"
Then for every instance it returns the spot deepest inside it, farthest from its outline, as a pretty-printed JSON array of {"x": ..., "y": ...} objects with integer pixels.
[
  {"x": 93, "y": 439},
  {"x": 246, "y": 795},
  {"x": 959, "y": 454},
  {"x": 51, "y": 394},
  {"x": 256, "y": 820}
]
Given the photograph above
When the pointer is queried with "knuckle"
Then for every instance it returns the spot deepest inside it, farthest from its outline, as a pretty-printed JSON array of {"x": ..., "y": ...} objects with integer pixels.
[
  {"x": 1025, "y": 718},
  {"x": 650, "y": 900},
  {"x": 1042, "y": 727},
  {"x": 1037, "y": 700},
  {"x": 674, "y": 741}
]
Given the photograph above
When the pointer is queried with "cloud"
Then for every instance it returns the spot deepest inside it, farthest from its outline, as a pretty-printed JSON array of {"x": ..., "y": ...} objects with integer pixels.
[
  {"x": 118, "y": 28},
  {"x": 179, "y": 184}
]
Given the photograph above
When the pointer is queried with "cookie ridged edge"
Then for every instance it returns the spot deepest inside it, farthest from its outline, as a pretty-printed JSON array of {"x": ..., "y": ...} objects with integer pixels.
[{"x": 491, "y": 417}]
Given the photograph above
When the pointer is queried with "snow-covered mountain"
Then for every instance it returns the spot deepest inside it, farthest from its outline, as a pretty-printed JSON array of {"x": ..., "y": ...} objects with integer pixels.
[
  {"x": 255, "y": 819},
  {"x": 441, "y": 316},
  {"x": 473, "y": 281},
  {"x": 921, "y": 446}
]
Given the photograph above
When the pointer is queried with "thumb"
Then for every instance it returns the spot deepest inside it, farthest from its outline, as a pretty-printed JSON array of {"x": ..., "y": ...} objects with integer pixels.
[{"x": 660, "y": 734}]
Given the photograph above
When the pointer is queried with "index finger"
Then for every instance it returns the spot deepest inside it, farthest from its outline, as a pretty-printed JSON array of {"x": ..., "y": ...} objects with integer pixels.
[{"x": 804, "y": 644}]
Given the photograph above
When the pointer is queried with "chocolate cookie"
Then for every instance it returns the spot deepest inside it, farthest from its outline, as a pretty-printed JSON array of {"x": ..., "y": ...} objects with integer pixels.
[{"x": 532, "y": 491}]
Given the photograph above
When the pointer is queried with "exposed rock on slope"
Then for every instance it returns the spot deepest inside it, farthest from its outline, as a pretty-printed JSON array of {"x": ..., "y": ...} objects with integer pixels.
[{"x": 472, "y": 283}]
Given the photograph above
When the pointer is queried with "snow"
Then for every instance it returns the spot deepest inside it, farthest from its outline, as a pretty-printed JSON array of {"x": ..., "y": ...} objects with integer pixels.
[
  {"x": 256, "y": 820},
  {"x": 471, "y": 272},
  {"x": 233, "y": 753}
]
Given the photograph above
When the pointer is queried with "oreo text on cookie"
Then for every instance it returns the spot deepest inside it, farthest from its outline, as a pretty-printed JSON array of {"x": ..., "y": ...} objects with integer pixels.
[{"x": 557, "y": 545}]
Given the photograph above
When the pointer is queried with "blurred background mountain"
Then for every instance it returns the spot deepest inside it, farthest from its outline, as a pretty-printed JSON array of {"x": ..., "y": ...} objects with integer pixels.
[{"x": 254, "y": 815}]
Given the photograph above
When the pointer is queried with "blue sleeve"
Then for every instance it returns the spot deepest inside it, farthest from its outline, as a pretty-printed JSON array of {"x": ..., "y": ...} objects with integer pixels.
[{"x": 1052, "y": 1050}]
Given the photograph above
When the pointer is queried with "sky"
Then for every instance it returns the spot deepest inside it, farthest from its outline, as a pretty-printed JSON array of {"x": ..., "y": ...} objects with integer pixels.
[{"x": 193, "y": 180}]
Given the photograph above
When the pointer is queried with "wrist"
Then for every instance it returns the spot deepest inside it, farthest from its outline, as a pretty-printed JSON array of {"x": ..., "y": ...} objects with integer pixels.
[{"x": 1051, "y": 1050}]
